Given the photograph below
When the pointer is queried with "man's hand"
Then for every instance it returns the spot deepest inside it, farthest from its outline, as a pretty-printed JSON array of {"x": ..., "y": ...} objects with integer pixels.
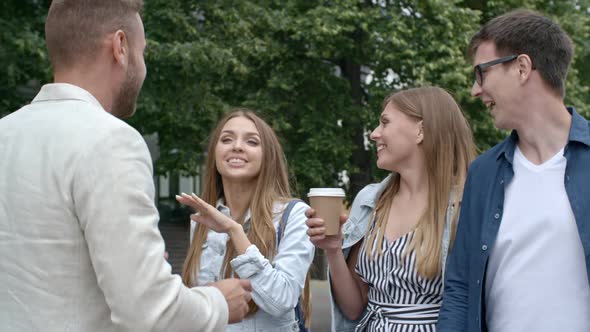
[{"x": 237, "y": 294}]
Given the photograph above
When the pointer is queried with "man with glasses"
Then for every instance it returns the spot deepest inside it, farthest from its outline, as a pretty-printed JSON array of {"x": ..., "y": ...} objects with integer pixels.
[{"x": 521, "y": 256}]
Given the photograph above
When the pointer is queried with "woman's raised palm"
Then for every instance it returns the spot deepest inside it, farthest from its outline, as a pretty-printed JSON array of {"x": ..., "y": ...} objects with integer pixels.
[{"x": 208, "y": 215}]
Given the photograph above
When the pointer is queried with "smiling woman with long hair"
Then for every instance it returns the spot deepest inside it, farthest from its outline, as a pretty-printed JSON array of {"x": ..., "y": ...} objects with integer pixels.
[
  {"x": 386, "y": 266},
  {"x": 249, "y": 225}
]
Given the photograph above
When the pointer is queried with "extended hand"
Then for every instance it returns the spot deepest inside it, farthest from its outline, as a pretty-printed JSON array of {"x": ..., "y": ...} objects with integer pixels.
[
  {"x": 237, "y": 294},
  {"x": 208, "y": 215}
]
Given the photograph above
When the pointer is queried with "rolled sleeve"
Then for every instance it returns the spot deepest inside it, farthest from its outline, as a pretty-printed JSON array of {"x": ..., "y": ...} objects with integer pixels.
[
  {"x": 276, "y": 287},
  {"x": 250, "y": 263}
]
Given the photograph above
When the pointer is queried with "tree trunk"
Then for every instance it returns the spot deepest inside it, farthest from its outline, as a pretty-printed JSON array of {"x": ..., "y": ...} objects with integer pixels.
[{"x": 361, "y": 158}]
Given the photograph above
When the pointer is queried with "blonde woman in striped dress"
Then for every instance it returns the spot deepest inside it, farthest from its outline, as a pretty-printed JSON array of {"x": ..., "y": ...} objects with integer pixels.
[{"x": 386, "y": 265}]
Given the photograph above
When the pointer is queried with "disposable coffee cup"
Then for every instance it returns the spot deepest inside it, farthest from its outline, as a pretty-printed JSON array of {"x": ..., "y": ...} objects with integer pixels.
[{"x": 327, "y": 203}]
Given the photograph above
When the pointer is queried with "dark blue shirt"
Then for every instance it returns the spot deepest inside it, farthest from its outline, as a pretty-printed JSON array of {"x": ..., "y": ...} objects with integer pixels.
[{"x": 463, "y": 307}]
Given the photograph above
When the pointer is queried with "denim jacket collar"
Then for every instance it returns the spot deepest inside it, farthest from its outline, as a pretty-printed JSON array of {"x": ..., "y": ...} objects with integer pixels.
[
  {"x": 578, "y": 133},
  {"x": 360, "y": 213},
  {"x": 364, "y": 205},
  {"x": 370, "y": 198},
  {"x": 221, "y": 207},
  {"x": 579, "y": 130}
]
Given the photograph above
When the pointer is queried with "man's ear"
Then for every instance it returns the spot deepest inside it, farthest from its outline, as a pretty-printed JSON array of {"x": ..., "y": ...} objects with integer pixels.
[
  {"x": 120, "y": 47},
  {"x": 420, "y": 136},
  {"x": 525, "y": 67}
]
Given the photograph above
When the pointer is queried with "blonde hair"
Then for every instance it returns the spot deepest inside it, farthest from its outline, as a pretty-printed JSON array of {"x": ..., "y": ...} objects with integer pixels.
[
  {"x": 448, "y": 149},
  {"x": 272, "y": 185}
]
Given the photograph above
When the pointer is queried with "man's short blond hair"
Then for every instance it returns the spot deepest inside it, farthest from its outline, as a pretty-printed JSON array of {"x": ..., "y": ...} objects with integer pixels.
[{"x": 75, "y": 28}]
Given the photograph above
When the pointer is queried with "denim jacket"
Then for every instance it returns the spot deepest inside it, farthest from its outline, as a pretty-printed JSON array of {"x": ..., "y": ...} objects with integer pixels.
[
  {"x": 276, "y": 286},
  {"x": 354, "y": 230},
  {"x": 463, "y": 305}
]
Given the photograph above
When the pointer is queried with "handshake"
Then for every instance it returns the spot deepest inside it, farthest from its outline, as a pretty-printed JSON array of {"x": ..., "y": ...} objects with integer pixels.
[{"x": 237, "y": 295}]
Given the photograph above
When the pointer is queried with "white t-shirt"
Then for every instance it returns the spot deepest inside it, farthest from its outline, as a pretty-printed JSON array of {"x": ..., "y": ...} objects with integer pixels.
[{"x": 536, "y": 276}]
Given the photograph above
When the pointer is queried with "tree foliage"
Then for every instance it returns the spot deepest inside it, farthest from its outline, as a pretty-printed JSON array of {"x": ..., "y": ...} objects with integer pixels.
[
  {"x": 317, "y": 71},
  {"x": 22, "y": 52}
]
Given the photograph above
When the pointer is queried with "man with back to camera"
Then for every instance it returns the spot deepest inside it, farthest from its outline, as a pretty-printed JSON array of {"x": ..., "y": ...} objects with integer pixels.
[
  {"x": 521, "y": 257},
  {"x": 79, "y": 241}
]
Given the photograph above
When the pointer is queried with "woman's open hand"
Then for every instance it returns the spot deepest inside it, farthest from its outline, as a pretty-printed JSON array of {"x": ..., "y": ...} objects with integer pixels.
[{"x": 207, "y": 215}]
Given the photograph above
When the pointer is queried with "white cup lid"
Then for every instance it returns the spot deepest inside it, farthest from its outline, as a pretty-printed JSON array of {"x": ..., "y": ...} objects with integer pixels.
[{"x": 335, "y": 192}]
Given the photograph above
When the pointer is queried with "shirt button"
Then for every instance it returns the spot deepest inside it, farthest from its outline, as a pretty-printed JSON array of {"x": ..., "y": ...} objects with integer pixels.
[
  {"x": 497, "y": 216},
  {"x": 484, "y": 247},
  {"x": 478, "y": 281}
]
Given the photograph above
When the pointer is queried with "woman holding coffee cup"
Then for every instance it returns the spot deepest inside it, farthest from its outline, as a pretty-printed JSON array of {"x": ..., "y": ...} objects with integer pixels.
[
  {"x": 249, "y": 225},
  {"x": 387, "y": 264}
]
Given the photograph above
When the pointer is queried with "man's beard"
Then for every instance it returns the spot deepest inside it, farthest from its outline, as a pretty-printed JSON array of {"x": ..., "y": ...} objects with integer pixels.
[{"x": 125, "y": 102}]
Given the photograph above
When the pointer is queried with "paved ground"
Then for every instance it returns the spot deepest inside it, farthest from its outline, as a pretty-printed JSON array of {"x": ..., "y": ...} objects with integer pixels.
[
  {"x": 320, "y": 320},
  {"x": 176, "y": 237}
]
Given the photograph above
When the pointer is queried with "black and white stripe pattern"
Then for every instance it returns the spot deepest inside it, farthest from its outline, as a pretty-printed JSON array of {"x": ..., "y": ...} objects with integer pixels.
[{"x": 400, "y": 300}]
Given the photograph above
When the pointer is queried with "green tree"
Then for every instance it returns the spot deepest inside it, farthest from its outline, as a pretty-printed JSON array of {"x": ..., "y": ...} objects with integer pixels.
[
  {"x": 304, "y": 66},
  {"x": 316, "y": 70},
  {"x": 22, "y": 52}
]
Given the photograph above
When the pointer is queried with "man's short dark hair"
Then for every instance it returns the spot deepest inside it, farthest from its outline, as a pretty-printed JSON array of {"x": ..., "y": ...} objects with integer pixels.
[
  {"x": 74, "y": 28},
  {"x": 527, "y": 32}
]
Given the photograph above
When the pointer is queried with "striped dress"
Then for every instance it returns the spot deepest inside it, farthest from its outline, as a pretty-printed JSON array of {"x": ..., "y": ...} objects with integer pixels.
[{"x": 400, "y": 300}]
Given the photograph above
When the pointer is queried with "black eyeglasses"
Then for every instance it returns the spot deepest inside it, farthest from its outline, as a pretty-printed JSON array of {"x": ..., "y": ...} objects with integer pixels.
[{"x": 478, "y": 70}]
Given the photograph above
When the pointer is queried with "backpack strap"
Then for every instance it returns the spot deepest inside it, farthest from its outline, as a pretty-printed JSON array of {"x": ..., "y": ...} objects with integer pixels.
[
  {"x": 284, "y": 219},
  {"x": 280, "y": 233}
]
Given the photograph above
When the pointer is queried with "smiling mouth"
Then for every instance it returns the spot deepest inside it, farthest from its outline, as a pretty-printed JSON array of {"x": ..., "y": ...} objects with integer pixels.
[
  {"x": 490, "y": 105},
  {"x": 236, "y": 161},
  {"x": 380, "y": 147}
]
